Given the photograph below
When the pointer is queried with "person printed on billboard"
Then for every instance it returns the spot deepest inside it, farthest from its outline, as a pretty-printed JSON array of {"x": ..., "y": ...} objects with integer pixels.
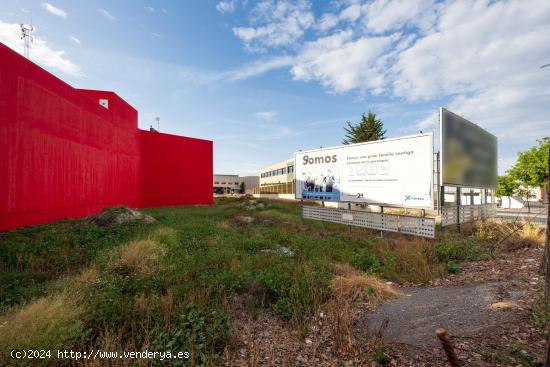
[
  {"x": 309, "y": 183},
  {"x": 329, "y": 181},
  {"x": 319, "y": 183}
]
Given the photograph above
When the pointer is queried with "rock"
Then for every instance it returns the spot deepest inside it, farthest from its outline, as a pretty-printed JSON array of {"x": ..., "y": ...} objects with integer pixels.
[
  {"x": 283, "y": 250},
  {"x": 253, "y": 205},
  {"x": 245, "y": 219},
  {"x": 118, "y": 215},
  {"x": 308, "y": 341},
  {"x": 504, "y": 305}
]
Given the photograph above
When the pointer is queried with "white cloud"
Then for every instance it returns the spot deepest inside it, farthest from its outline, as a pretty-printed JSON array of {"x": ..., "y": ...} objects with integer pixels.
[
  {"x": 164, "y": 11},
  {"x": 54, "y": 10},
  {"x": 351, "y": 13},
  {"x": 276, "y": 24},
  {"x": 23, "y": 10},
  {"x": 257, "y": 68},
  {"x": 327, "y": 21},
  {"x": 481, "y": 57},
  {"x": 226, "y": 7},
  {"x": 75, "y": 40},
  {"x": 485, "y": 56},
  {"x": 384, "y": 15},
  {"x": 342, "y": 63},
  {"x": 150, "y": 9},
  {"x": 266, "y": 115},
  {"x": 107, "y": 15},
  {"x": 40, "y": 51}
]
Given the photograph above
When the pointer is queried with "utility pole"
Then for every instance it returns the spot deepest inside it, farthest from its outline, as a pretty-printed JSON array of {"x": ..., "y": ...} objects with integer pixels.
[
  {"x": 547, "y": 256},
  {"x": 26, "y": 36},
  {"x": 158, "y": 123},
  {"x": 547, "y": 260}
]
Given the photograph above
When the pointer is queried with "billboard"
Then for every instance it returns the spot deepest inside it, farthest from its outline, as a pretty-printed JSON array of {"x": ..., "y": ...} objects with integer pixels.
[
  {"x": 468, "y": 153},
  {"x": 393, "y": 172}
]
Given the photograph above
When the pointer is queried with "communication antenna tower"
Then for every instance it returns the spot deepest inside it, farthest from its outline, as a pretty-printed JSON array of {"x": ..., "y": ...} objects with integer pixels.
[{"x": 26, "y": 36}]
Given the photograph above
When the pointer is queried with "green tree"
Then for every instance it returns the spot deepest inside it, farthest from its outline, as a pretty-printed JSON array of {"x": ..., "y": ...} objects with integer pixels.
[
  {"x": 368, "y": 129},
  {"x": 506, "y": 186},
  {"x": 531, "y": 167},
  {"x": 243, "y": 187}
]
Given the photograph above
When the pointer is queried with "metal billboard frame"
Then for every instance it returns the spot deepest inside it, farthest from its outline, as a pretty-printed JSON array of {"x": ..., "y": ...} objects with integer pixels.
[
  {"x": 459, "y": 212},
  {"x": 441, "y": 152}
]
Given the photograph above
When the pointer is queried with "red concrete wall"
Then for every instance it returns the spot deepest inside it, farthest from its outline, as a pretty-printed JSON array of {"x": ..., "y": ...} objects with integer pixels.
[
  {"x": 176, "y": 171},
  {"x": 62, "y": 155}
]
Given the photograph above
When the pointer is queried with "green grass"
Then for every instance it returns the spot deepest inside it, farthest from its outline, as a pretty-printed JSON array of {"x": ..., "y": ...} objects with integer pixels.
[{"x": 170, "y": 285}]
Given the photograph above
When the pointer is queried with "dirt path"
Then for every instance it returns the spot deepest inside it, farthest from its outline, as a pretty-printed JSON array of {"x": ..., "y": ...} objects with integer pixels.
[
  {"x": 502, "y": 335},
  {"x": 463, "y": 309},
  {"x": 487, "y": 308}
]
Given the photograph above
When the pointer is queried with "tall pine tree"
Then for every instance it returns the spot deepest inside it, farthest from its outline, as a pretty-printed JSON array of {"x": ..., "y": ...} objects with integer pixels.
[{"x": 368, "y": 129}]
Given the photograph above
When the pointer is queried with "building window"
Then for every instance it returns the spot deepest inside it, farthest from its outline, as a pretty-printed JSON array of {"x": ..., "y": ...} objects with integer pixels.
[
  {"x": 216, "y": 183},
  {"x": 290, "y": 169},
  {"x": 223, "y": 183}
]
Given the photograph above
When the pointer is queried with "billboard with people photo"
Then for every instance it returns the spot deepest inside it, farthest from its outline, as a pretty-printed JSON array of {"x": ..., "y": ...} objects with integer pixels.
[{"x": 393, "y": 172}]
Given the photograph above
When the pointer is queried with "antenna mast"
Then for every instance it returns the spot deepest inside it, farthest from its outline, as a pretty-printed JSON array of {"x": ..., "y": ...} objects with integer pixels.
[{"x": 26, "y": 36}]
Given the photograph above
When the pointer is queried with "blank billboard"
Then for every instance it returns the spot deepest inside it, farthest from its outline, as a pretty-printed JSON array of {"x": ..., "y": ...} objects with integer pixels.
[
  {"x": 393, "y": 172},
  {"x": 468, "y": 153}
]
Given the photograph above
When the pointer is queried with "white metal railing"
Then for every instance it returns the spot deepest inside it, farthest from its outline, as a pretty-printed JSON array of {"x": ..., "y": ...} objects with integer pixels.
[
  {"x": 466, "y": 213},
  {"x": 419, "y": 226}
]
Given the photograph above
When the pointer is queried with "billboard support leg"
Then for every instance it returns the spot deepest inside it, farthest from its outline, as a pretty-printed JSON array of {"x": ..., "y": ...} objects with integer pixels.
[
  {"x": 458, "y": 200},
  {"x": 322, "y": 222},
  {"x": 382, "y": 212},
  {"x": 302, "y": 211},
  {"x": 441, "y": 194},
  {"x": 349, "y": 225}
]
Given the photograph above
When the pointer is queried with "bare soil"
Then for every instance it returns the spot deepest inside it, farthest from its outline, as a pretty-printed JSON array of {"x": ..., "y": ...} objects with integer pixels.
[{"x": 487, "y": 309}]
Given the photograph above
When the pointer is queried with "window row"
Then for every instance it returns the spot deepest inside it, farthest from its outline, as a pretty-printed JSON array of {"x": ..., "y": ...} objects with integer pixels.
[{"x": 277, "y": 172}]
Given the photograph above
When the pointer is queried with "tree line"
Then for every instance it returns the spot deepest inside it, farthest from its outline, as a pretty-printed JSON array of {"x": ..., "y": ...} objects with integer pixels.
[{"x": 529, "y": 171}]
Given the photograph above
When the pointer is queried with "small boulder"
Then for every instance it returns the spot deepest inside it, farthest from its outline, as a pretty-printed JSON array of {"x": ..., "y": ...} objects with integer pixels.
[
  {"x": 245, "y": 219},
  {"x": 281, "y": 250},
  {"x": 118, "y": 215}
]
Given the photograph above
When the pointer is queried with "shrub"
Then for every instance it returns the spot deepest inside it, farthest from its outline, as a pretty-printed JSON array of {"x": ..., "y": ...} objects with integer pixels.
[
  {"x": 452, "y": 267},
  {"x": 368, "y": 262}
]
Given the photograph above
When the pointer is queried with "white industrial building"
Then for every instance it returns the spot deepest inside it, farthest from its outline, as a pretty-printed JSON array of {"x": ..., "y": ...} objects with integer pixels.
[
  {"x": 233, "y": 184},
  {"x": 278, "y": 173}
]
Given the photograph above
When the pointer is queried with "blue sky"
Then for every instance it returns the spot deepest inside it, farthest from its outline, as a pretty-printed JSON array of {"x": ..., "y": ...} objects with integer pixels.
[{"x": 263, "y": 79}]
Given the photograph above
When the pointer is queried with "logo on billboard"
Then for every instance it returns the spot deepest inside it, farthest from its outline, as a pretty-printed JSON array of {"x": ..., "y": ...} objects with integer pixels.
[
  {"x": 413, "y": 198},
  {"x": 319, "y": 160}
]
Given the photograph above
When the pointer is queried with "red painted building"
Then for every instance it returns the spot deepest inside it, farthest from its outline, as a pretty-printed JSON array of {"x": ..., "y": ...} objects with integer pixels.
[{"x": 68, "y": 153}]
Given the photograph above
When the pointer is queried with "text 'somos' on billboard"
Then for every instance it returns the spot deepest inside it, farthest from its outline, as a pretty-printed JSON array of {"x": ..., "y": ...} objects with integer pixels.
[
  {"x": 468, "y": 153},
  {"x": 393, "y": 172}
]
